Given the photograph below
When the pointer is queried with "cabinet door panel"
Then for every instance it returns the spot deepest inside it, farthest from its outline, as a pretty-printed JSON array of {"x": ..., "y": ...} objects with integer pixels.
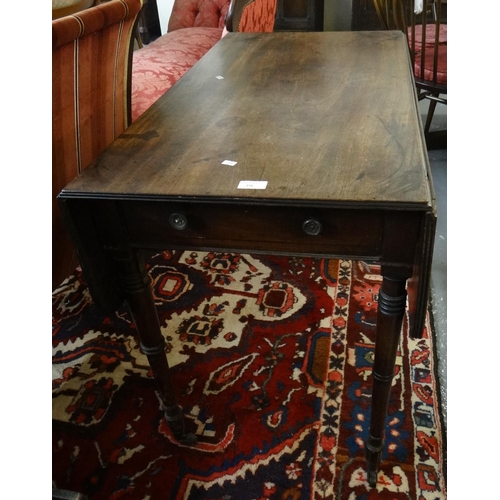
[{"x": 299, "y": 15}]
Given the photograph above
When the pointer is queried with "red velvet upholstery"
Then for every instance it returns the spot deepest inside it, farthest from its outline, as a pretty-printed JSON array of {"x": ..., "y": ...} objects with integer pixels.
[
  {"x": 160, "y": 64},
  {"x": 429, "y": 57},
  {"x": 428, "y": 63},
  {"x": 258, "y": 16},
  {"x": 194, "y": 27},
  {"x": 198, "y": 13},
  {"x": 430, "y": 35}
]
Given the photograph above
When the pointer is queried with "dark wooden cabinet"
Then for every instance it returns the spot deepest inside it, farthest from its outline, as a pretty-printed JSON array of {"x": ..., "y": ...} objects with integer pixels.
[
  {"x": 299, "y": 15},
  {"x": 364, "y": 16}
]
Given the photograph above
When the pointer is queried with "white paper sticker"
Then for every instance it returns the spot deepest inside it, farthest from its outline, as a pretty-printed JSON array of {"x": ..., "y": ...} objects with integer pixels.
[
  {"x": 229, "y": 162},
  {"x": 219, "y": 77},
  {"x": 252, "y": 185}
]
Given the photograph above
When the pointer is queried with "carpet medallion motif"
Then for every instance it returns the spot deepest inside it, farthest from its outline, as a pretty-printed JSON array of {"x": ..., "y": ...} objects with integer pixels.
[{"x": 271, "y": 358}]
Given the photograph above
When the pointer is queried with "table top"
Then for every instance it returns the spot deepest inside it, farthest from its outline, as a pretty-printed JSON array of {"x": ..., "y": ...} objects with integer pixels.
[{"x": 317, "y": 117}]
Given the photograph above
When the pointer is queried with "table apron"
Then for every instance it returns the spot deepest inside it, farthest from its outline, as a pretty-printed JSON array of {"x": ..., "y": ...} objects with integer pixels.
[
  {"x": 254, "y": 228},
  {"x": 104, "y": 229}
]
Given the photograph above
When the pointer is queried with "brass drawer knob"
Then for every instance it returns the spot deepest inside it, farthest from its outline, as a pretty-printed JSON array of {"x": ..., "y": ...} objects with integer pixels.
[
  {"x": 312, "y": 227},
  {"x": 178, "y": 221}
]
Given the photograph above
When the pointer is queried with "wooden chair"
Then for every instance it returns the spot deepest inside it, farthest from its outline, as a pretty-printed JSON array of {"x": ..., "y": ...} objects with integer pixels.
[
  {"x": 91, "y": 80},
  {"x": 427, "y": 42}
]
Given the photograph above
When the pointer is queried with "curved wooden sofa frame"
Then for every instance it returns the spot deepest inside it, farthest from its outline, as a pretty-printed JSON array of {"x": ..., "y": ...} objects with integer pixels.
[{"x": 91, "y": 82}]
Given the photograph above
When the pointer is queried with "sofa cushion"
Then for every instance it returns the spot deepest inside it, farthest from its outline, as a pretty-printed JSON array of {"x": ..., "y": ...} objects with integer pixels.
[
  {"x": 428, "y": 59},
  {"x": 198, "y": 13},
  {"x": 157, "y": 66},
  {"x": 430, "y": 35}
]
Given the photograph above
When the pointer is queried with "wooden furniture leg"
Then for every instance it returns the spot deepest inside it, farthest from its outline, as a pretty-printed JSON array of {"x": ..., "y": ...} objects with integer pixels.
[
  {"x": 430, "y": 114},
  {"x": 136, "y": 285},
  {"x": 391, "y": 308}
]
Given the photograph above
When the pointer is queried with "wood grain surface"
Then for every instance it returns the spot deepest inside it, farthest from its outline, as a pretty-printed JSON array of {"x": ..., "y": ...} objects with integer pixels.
[{"x": 327, "y": 117}]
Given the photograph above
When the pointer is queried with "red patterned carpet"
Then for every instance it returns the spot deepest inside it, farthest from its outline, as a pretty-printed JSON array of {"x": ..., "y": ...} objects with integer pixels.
[{"x": 272, "y": 361}]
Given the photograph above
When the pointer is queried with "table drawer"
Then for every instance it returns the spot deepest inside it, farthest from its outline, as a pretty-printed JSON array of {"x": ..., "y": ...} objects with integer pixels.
[{"x": 249, "y": 228}]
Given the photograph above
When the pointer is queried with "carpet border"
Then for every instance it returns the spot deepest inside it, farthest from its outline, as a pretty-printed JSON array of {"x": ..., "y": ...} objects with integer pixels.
[{"x": 444, "y": 430}]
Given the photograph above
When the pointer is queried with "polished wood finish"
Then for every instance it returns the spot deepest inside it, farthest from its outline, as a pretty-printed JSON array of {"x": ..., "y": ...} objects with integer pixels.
[
  {"x": 391, "y": 308},
  {"x": 310, "y": 114},
  {"x": 298, "y": 129}
]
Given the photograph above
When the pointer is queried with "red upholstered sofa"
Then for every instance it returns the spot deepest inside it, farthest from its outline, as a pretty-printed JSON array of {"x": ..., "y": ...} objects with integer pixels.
[{"x": 195, "y": 26}]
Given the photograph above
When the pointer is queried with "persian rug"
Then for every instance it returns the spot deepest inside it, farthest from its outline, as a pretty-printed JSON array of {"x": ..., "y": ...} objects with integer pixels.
[{"x": 271, "y": 357}]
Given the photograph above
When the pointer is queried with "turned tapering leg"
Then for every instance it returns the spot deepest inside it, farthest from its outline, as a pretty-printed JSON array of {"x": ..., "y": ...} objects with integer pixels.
[
  {"x": 391, "y": 308},
  {"x": 136, "y": 284}
]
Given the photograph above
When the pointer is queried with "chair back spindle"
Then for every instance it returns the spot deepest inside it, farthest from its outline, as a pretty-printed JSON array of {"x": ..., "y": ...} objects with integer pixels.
[{"x": 426, "y": 32}]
